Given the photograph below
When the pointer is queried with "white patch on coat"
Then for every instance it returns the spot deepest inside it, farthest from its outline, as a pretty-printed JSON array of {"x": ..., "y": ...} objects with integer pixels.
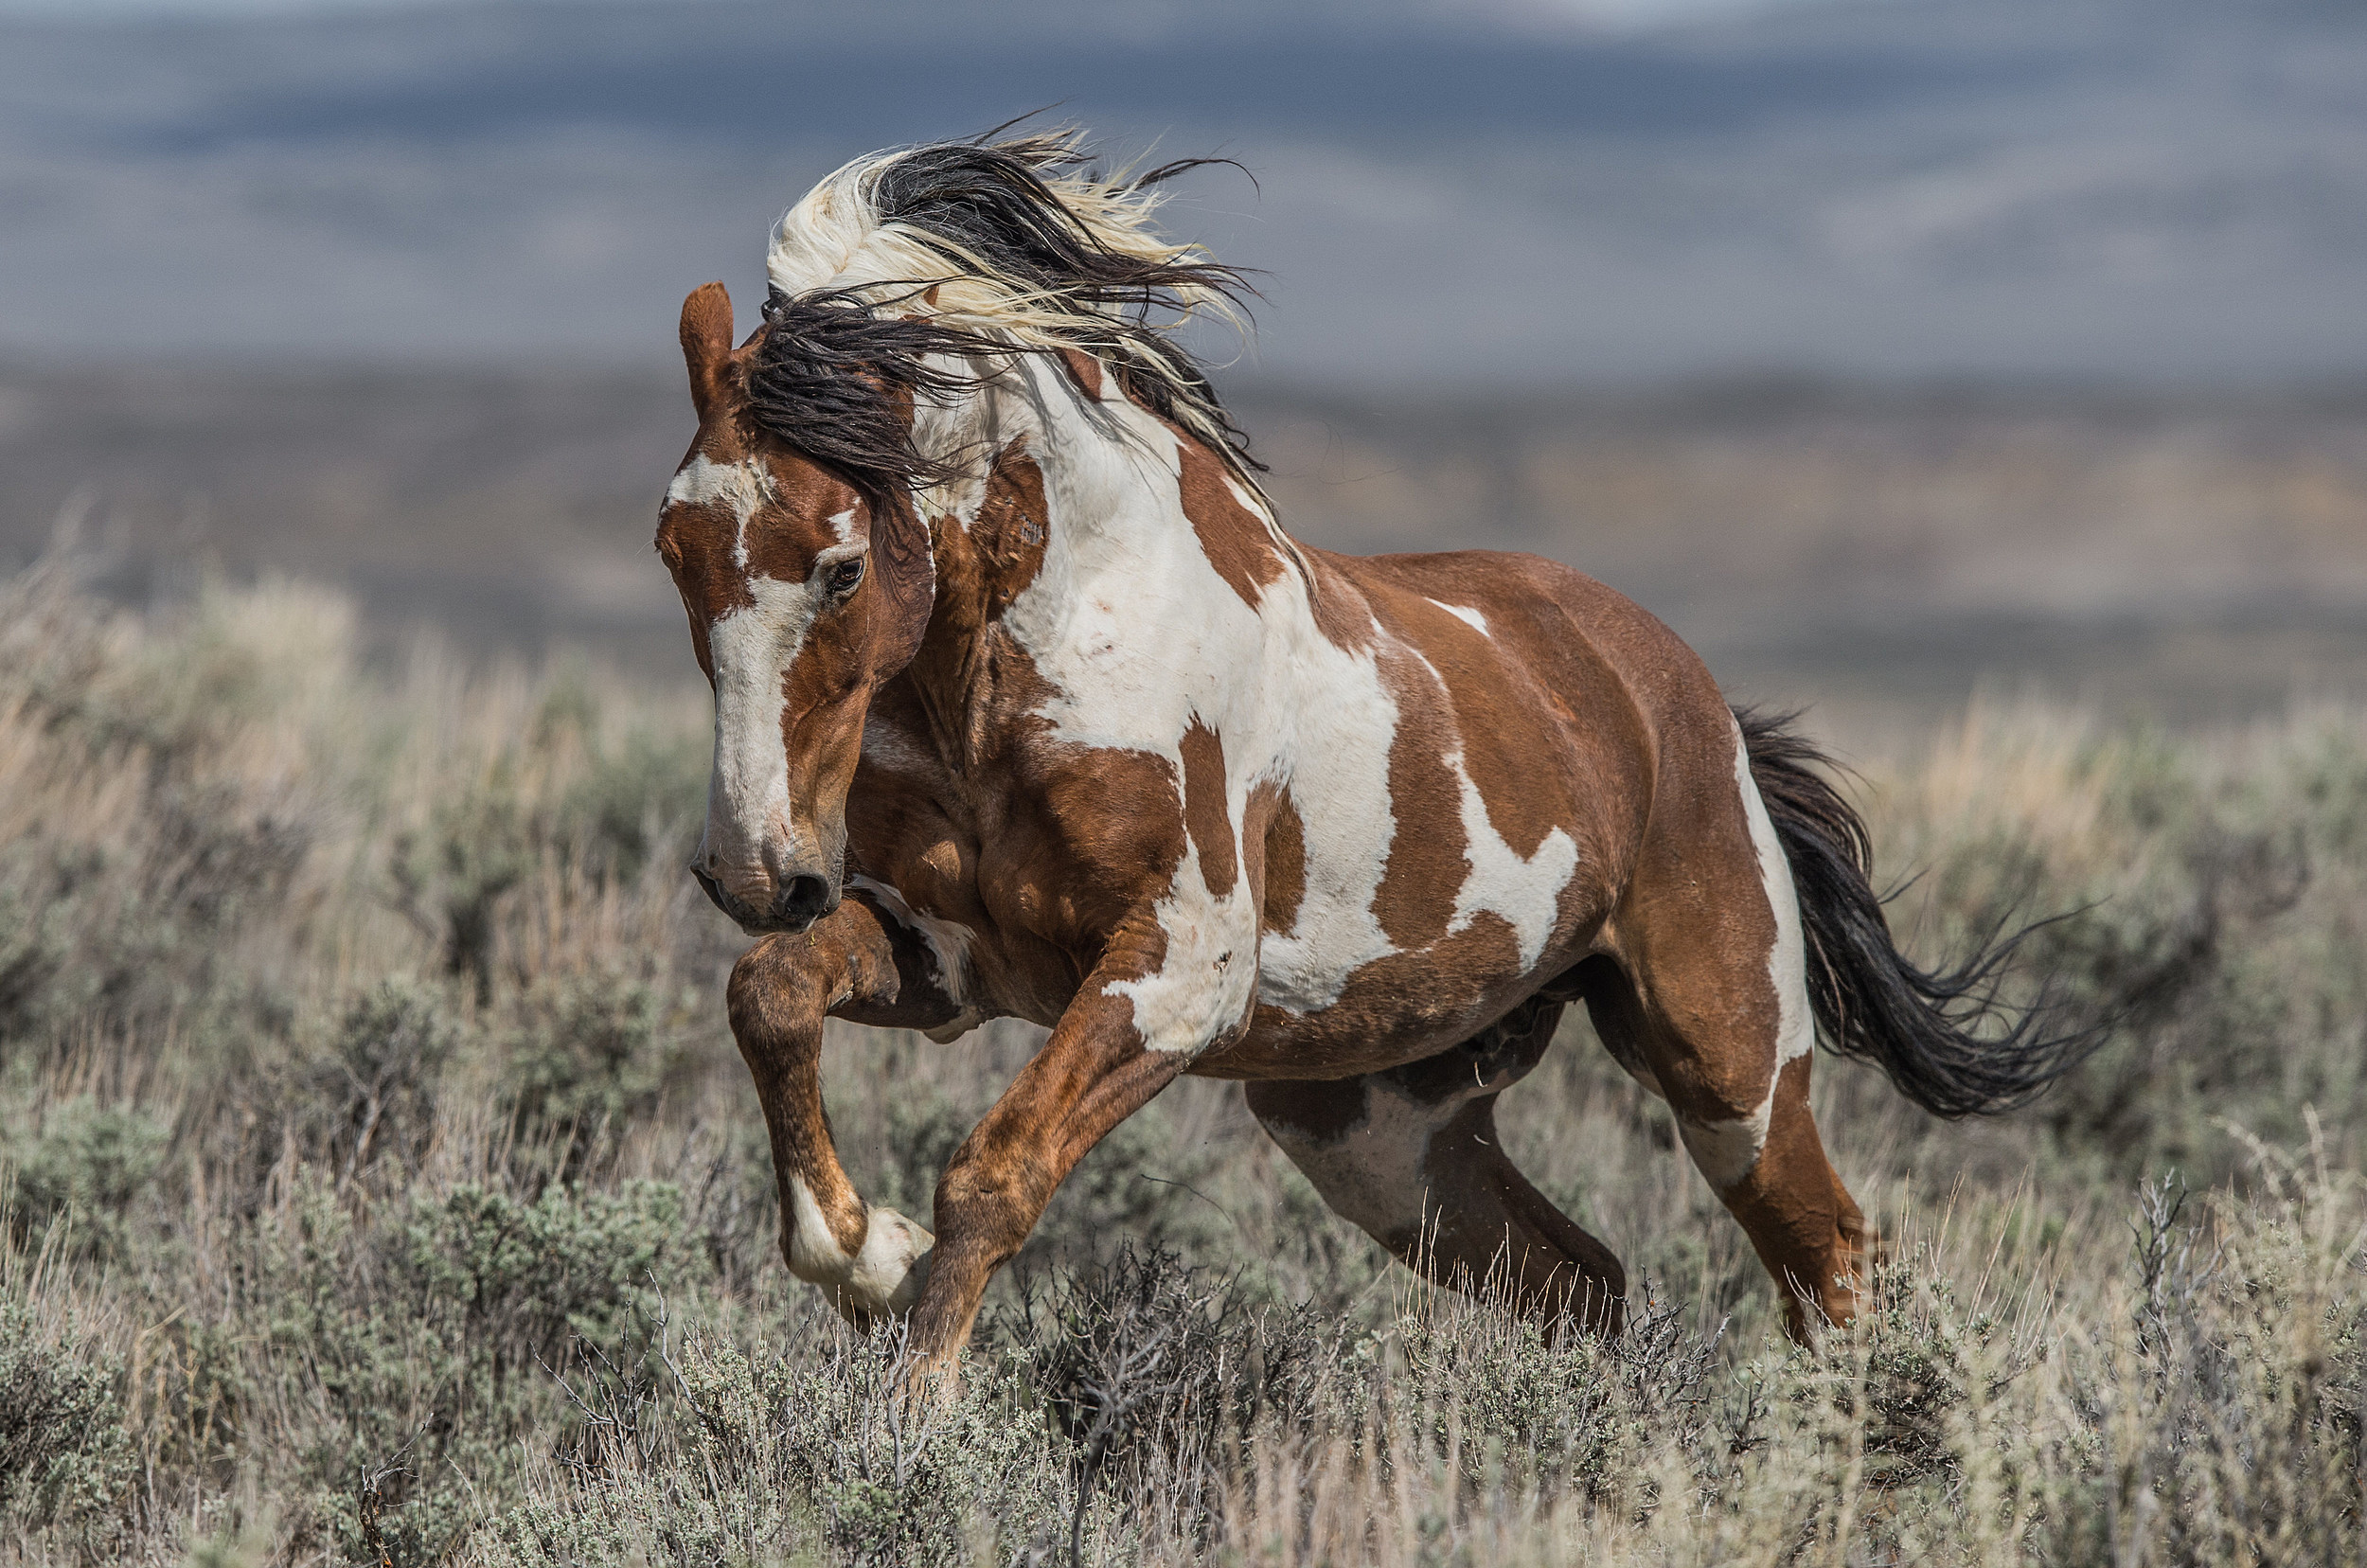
[
  {"x": 1375, "y": 1174},
  {"x": 742, "y": 487},
  {"x": 1478, "y": 621},
  {"x": 1208, "y": 976},
  {"x": 1139, "y": 636},
  {"x": 1527, "y": 893},
  {"x": 1727, "y": 1150},
  {"x": 1787, "y": 960}
]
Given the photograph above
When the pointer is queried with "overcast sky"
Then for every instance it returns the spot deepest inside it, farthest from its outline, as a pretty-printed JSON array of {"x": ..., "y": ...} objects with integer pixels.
[
  {"x": 1466, "y": 190},
  {"x": 1599, "y": 12}
]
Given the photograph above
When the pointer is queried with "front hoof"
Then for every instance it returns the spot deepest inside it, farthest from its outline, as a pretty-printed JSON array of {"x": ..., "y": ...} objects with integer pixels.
[{"x": 888, "y": 1275}]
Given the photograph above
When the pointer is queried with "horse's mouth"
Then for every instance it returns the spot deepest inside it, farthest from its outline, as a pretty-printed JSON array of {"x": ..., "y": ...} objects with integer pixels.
[{"x": 801, "y": 902}]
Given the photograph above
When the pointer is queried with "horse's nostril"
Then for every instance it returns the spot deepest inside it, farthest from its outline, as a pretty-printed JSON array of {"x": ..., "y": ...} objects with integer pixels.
[{"x": 802, "y": 900}]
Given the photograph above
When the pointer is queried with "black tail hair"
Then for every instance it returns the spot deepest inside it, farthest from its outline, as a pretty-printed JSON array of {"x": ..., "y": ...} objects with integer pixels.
[{"x": 1924, "y": 1029}]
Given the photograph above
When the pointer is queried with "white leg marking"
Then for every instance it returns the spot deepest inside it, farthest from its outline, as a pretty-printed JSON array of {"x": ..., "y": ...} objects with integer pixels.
[
  {"x": 1727, "y": 1150},
  {"x": 813, "y": 1251},
  {"x": 886, "y": 1273}
]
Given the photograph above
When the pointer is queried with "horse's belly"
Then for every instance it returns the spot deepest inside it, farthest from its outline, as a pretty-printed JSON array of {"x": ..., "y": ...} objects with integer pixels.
[{"x": 1317, "y": 1023}]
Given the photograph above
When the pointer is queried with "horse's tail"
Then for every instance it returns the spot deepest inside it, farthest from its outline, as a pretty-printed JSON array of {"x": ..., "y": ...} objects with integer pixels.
[{"x": 1944, "y": 1037}]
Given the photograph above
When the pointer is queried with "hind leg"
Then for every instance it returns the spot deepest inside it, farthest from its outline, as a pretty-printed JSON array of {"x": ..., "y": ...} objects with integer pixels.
[
  {"x": 1710, "y": 1004},
  {"x": 1745, "y": 1120},
  {"x": 1412, "y": 1157}
]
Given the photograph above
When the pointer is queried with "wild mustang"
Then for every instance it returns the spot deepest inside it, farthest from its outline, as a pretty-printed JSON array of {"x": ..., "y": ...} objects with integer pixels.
[{"x": 1027, "y": 707}]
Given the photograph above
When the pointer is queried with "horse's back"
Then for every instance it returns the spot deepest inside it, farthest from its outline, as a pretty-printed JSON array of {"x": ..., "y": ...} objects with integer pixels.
[{"x": 1581, "y": 665}]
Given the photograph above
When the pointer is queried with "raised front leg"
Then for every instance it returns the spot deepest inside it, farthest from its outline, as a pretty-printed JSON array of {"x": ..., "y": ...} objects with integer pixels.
[
  {"x": 1096, "y": 1071},
  {"x": 855, "y": 965}
]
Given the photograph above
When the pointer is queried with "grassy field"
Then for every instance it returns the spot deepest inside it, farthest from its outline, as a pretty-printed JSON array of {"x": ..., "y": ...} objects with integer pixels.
[{"x": 378, "y": 1184}]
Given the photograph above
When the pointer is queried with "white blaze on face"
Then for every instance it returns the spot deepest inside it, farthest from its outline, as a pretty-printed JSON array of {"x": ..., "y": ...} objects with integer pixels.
[
  {"x": 750, "y": 829},
  {"x": 748, "y": 794},
  {"x": 1726, "y": 1151}
]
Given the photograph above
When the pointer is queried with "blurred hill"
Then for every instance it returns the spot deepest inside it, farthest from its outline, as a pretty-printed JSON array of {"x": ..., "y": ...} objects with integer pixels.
[{"x": 2194, "y": 553}]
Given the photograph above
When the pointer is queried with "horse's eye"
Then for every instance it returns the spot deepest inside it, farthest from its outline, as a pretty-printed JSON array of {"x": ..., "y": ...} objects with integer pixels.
[{"x": 841, "y": 578}]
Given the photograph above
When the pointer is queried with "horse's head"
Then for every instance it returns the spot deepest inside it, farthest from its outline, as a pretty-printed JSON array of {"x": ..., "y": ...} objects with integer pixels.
[{"x": 805, "y": 591}]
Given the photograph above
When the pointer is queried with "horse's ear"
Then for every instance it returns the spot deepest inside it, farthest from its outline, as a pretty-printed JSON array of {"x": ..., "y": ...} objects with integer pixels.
[{"x": 706, "y": 343}]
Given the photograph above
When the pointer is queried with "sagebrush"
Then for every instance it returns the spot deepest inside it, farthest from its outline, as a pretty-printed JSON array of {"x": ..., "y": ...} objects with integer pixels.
[{"x": 378, "y": 1184}]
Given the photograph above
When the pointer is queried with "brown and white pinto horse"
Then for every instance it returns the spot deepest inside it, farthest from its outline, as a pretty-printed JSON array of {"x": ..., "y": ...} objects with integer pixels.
[{"x": 1025, "y": 706}]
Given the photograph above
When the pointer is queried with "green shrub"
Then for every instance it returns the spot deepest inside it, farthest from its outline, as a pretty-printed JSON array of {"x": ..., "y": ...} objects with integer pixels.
[
  {"x": 638, "y": 805},
  {"x": 87, "y": 1164},
  {"x": 594, "y": 1055},
  {"x": 372, "y": 1093},
  {"x": 66, "y": 1463},
  {"x": 450, "y": 875}
]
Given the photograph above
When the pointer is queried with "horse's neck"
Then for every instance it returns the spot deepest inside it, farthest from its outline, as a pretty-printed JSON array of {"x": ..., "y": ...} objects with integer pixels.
[{"x": 1075, "y": 498}]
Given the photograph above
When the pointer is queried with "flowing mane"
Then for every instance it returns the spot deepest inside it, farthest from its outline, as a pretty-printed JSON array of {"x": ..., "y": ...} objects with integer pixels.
[{"x": 978, "y": 250}]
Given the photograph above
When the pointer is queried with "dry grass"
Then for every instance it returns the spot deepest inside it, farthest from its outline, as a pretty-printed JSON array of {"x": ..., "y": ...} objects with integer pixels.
[{"x": 381, "y": 1186}]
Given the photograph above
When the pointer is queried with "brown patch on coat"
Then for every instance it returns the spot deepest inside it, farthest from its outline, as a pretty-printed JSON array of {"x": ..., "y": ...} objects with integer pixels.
[
  {"x": 1428, "y": 859},
  {"x": 1084, "y": 370},
  {"x": 1206, "y": 816},
  {"x": 1513, "y": 768},
  {"x": 1234, "y": 538},
  {"x": 797, "y": 523},
  {"x": 1325, "y": 1112},
  {"x": 1012, "y": 527},
  {"x": 1340, "y": 611},
  {"x": 1283, "y": 848}
]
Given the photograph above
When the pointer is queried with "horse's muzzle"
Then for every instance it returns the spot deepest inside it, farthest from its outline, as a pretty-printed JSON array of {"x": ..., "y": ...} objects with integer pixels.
[{"x": 796, "y": 904}]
